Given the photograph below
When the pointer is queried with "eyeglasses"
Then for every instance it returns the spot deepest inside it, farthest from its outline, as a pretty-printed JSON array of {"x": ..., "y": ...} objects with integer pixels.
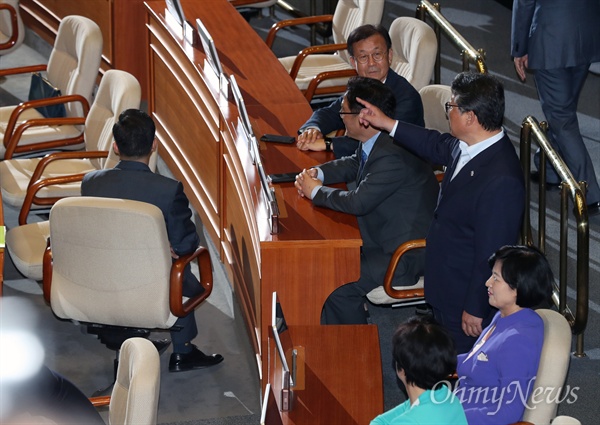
[
  {"x": 377, "y": 57},
  {"x": 448, "y": 106},
  {"x": 348, "y": 113}
]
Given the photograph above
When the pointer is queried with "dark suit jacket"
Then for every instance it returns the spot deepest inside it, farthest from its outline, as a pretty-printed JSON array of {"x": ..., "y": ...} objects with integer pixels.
[
  {"x": 135, "y": 181},
  {"x": 556, "y": 33},
  {"x": 409, "y": 108},
  {"x": 479, "y": 211},
  {"x": 393, "y": 201}
]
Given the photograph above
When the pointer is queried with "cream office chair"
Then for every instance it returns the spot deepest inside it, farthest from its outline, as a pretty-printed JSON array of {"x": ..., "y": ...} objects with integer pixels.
[
  {"x": 314, "y": 60},
  {"x": 399, "y": 296},
  {"x": 434, "y": 97},
  {"x": 552, "y": 371},
  {"x": 108, "y": 266},
  {"x": 34, "y": 183},
  {"x": 254, "y": 4},
  {"x": 134, "y": 398},
  {"x": 12, "y": 31},
  {"x": 415, "y": 49},
  {"x": 73, "y": 67}
]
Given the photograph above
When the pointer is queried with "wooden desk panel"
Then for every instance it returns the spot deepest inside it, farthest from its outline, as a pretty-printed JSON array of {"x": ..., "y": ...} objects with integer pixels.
[
  {"x": 330, "y": 395},
  {"x": 317, "y": 249}
]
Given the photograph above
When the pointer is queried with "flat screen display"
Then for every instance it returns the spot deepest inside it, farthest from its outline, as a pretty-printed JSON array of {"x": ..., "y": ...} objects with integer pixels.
[
  {"x": 210, "y": 50},
  {"x": 174, "y": 6}
]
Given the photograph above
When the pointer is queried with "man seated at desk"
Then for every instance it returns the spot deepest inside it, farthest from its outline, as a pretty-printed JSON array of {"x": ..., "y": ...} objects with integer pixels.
[
  {"x": 370, "y": 50},
  {"x": 394, "y": 199}
]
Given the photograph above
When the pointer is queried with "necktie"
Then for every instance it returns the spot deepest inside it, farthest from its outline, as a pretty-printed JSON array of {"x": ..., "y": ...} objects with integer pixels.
[{"x": 363, "y": 159}]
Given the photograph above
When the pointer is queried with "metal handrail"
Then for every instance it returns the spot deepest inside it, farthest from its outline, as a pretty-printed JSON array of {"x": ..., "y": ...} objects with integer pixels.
[
  {"x": 468, "y": 53},
  {"x": 532, "y": 130}
]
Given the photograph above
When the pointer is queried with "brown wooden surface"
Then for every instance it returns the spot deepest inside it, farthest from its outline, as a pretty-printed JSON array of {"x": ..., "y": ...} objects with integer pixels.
[
  {"x": 340, "y": 380},
  {"x": 317, "y": 249},
  {"x": 121, "y": 23}
]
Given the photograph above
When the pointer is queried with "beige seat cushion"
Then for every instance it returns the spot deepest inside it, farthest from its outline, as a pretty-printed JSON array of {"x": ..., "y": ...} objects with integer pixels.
[
  {"x": 315, "y": 64},
  {"x": 379, "y": 296},
  {"x": 15, "y": 175},
  {"x": 26, "y": 245}
]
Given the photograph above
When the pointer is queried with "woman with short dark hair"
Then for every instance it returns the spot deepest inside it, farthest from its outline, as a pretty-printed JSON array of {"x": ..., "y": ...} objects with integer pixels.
[
  {"x": 425, "y": 357},
  {"x": 496, "y": 376}
]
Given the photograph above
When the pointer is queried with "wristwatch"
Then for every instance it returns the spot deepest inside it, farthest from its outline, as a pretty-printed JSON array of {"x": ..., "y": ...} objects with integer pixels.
[{"x": 327, "y": 144}]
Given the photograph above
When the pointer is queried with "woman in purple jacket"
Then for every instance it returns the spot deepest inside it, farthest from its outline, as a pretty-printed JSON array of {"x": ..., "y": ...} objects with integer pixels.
[{"x": 497, "y": 375}]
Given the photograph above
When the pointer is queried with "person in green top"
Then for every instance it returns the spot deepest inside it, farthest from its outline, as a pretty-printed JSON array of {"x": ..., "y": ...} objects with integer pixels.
[{"x": 424, "y": 357}]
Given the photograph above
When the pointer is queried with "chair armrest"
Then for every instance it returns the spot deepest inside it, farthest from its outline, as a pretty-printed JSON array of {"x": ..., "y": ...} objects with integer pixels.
[
  {"x": 100, "y": 401},
  {"x": 14, "y": 25},
  {"x": 23, "y": 70},
  {"x": 178, "y": 307},
  {"x": 47, "y": 272},
  {"x": 314, "y": 50},
  {"x": 14, "y": 131},
  {"x": 308, "y": 20},
  {"x": 328, "y": 75},
  {"x": 389, "y": 274},
  {"x": 36, "y": 183}
]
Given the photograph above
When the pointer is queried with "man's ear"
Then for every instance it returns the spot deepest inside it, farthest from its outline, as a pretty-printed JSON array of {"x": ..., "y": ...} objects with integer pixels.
[
  {"x": 115, "y": 148},
  {"x": 154, "y": 144},
  {"x": 390, "y": 55},
  {"x": 353, "y": 63}
]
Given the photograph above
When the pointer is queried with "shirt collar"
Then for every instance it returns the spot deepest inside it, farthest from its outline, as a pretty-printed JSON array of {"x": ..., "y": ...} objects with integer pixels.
[
  {"x": 368, "y": 145},
  {"x": 477, "y": 148}
]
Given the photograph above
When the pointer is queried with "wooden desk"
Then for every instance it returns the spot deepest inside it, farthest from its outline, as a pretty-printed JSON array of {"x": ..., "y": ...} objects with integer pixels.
[
  {"x": 317, "y": 249},
  {"x": 348, "y": 394}
]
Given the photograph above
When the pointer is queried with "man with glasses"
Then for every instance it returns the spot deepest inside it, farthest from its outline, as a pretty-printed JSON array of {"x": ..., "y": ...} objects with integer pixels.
[
  {"x": 370, "y": 50},
  {"x": 481, "y": 204},
  {"x": 394, "y": 200}
]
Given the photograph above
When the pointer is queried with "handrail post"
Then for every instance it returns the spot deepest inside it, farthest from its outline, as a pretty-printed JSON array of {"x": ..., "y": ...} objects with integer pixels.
[{"x": 531, "y": 129}]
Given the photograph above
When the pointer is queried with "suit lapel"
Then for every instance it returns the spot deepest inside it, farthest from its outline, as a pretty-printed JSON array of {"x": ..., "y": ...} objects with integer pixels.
[{"x": 471, "y": 171}]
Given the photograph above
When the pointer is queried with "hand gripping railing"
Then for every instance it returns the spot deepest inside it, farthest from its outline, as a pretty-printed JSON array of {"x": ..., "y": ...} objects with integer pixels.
[
  {"x": 532, "y": 130},
  {"x": 468, "y": 53}
]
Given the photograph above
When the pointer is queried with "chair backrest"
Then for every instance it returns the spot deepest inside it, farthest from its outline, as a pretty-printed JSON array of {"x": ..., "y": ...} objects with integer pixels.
[
  {"x": 111, "y": 261},
  {"x": 9, "y": 9},
  {"x": 434, "y": 97},
  {"x": 75, "y": 59},
  {"x": 350, "y": 14},
  {"x": 415, "y": 49},
  {"x": 118, "y": 91},
  {"x": 552, "y": 371},
  {"x": 134, "y": 398}
]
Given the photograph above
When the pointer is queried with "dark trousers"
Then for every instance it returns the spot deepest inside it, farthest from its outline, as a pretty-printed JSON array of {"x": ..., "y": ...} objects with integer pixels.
[
  {"x": 186, "y": 328},
  {"x": 453, "y": 323},
  {"x": 346, "y": 306},
  {"x": 559, "y": 91}
]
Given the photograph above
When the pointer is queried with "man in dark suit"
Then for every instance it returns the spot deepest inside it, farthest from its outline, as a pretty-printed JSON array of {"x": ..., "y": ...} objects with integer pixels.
[
  {"x": 370, "y": 50},
  {"x": 132, "y": 179},
  {"x": 394, "y": 200},
  {"x": 559, "y": 40},
  {"x": 481, "y": 203}
]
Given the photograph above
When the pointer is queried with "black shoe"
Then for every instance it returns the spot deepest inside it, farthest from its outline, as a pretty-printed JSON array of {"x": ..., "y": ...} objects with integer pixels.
[
  {"x": 161, "y": 344},
  {"x": 593, "y": 209},
  {"x": 535, "y": 177},
  {"x": 196, "y": 359}
]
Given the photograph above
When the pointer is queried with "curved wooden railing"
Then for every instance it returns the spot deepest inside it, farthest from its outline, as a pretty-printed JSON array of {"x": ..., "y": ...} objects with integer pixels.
[
  {"x": 531, "y": 130},
  {"x": 469, "y": 54}
]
